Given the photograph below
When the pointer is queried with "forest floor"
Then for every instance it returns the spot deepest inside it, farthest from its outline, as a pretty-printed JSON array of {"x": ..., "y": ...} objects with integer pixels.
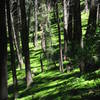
[{"x": 54, "y": 85}]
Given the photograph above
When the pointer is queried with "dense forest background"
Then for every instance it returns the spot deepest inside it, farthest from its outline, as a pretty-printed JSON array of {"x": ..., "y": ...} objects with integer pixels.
[{"x": 50, "y": 50}]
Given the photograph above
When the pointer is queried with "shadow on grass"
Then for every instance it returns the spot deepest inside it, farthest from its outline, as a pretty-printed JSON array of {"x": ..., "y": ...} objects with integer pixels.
[
  {"x": 54, "y": 85},
  {"x": 49, "y": 84}
]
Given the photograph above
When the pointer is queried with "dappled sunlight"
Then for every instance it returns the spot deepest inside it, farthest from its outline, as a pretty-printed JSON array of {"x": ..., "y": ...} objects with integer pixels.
[{"x": 53, "y": 84}]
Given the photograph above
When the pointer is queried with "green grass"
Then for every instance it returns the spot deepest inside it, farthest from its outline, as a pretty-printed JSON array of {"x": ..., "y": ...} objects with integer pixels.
[{"x": 59, "y": 86}]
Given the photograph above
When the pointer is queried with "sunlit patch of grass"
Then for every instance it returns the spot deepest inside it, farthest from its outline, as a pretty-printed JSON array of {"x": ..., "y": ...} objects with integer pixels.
[
  {"x": 29, "y": 97},
  {"x": 10, "y": 78}
]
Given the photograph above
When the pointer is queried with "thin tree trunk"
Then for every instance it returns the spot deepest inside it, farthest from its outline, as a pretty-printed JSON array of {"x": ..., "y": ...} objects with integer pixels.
[
  {"x": 48, "y": 3},
  {"x": 29, "y": 13},
  {"x": 20, "y": 24},
  {"x": 41, "y": 62},
  {"x": 36, "y": 23},
  {"x": 98, "y": 14},
  {"x": 86, "y": 6},
  {"x": 15, "y": 18},
  {"x": 59, "y": 34},
  {"x": 25, "y": 44},
  {"x": 19, "y": 56},
  {"x": 12, "y": 50},
  {"x": 48, "y": 36},
  {"x": 66, "y": 18},
  {"x": 54, "y": 11},
  {"x": 3, "y": 53},
  {"x": 14, "y": 8},
  {"x": 65, "y": 48},
  {"x": 43, "y": 40}
]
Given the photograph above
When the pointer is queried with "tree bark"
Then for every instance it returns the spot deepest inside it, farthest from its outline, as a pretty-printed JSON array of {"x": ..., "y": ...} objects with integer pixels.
[
  {"x": 3, "y": 53},
  {"x": 13, "y": 67},
  {"x": 70, "y": 32},
  {"x": 77, "y": 36},
  {"x": 25, "y": 43},
  {"x": 91, "y": 28},
  {"x": 36, "y": 22},
  {"x": 59, "y": 35},
  {"x": 98, "y": 14},
  {"x": 77, "y": 22},
  {"x": 43, "y": 38},
  {"x": 29, "y": 15},
  {"x": 86, "y": 6},
  {"x": 15, "y": 31},
  {"x": 66, "y": 20}
]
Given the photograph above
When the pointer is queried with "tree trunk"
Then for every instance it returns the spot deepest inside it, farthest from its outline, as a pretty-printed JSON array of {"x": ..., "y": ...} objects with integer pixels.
[
  {"x": 91, "y": 28},
  {"x": 29, "y": 15},
  {"x": 14, "y": 10},
  {"x": 59, "y": 35},
  {"x": 48, "y": 30},
  {"x": 67, "y": 10},
  {"x": 77, "y": 23},
  {"x": 65, "y": 48},
  {"x": 70, "y": 33},
  {"x": 41, "y": 62},
  {"x": 43, "y": 40},
  {"x": 66, "y": 19},
  {"x": 54, "y": 11},
  {"x": 25, "y": 44},
  {"x": 77, "y": 36},
  {"x": 3, "y": 53},
  {"x": 98, "y": 14},
  {"x": 36, "y": 22},
  {"x": 49, "y": 49},
  {"x": 86, "y": 6},
  {"x": 15, "y": 31},
  {"x": 11, "y": 50}
]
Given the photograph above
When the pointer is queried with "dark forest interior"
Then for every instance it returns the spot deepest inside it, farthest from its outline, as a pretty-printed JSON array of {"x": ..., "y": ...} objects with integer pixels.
[{"x": 50, "y": 50}]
